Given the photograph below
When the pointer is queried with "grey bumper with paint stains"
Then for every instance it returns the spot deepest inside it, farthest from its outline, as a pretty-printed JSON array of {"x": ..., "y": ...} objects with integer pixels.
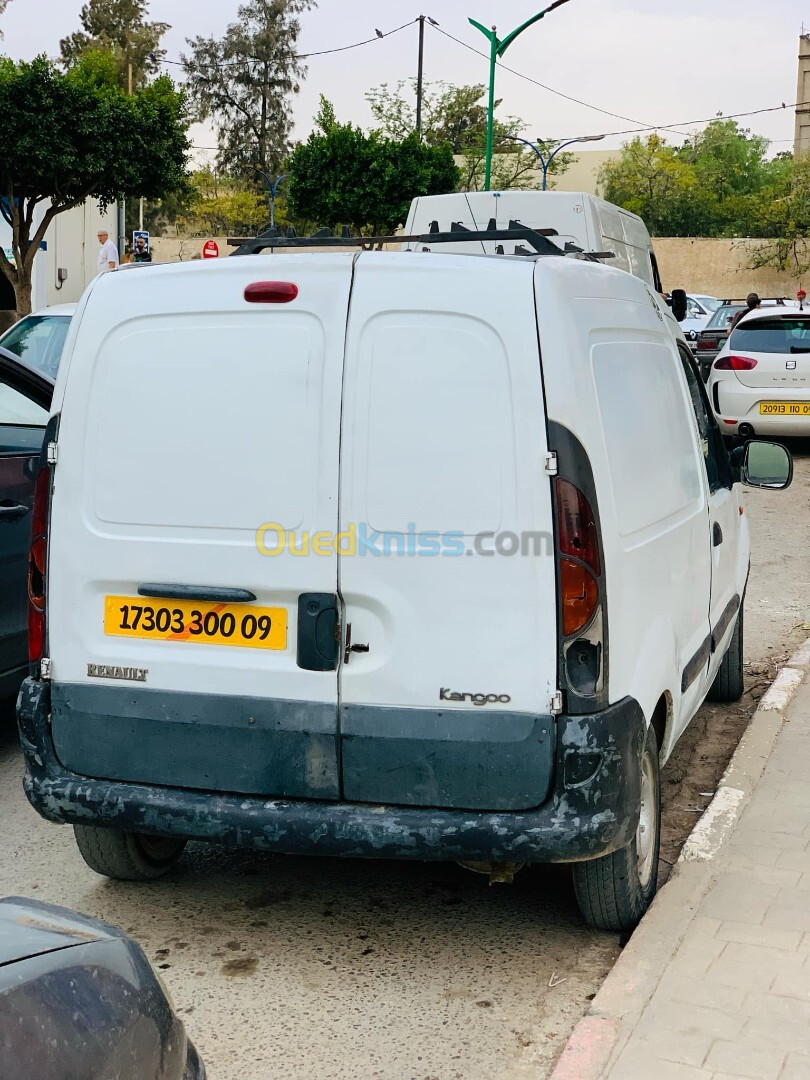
[{"x": 593, "y": 808}]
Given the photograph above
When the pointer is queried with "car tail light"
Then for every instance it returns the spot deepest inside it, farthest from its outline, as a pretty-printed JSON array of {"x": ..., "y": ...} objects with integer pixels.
[
  {"x": 577, "y": 526},
  {"x": 580, "y": 565},
  {"x": 735, "y": 363},
  {"x": 37, "y": 559},
  {"x": 580, "y": 596}
]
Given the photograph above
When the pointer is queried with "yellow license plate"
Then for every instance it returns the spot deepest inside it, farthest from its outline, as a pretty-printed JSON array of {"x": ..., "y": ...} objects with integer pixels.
[
  {"x": 784, "y": 408},
  {"x": 243, "y": 625}
]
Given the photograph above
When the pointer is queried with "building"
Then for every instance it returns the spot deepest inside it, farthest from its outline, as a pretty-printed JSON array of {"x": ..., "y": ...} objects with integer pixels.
[
  {"x": 801, "y": 142},
  {"x": 68, "y": 260}
]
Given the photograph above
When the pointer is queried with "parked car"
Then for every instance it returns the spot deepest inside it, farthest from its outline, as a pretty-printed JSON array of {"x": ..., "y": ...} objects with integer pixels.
[
  {"x": 39, "y": 338},
  {"x": 25, "y": 399},
  {"x": 253, "y": 624},
  {"x": 711, "y": 340},
  {"x": 698, "y": 313},
  {"x": 760, "y": 382},
  {"x": 79, "y": 999}
]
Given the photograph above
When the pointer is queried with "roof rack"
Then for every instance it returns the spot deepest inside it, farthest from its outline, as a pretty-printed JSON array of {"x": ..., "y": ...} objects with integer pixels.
[
  {"x": 538, "y": 239},
  {"x": 769, "y": 299}
]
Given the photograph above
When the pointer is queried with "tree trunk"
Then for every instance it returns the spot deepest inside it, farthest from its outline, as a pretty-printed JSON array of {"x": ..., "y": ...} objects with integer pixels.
[{"x": 22, "y": 291}]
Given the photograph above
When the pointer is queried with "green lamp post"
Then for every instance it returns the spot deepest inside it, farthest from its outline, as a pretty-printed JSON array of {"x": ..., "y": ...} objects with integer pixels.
[{"x": 496, "y": 50}]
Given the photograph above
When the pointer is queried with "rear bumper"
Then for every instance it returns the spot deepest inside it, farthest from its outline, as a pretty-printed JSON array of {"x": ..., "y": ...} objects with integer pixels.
[
  {"x": 592, "y": 811},
  {"x": 740, "y": 405}
]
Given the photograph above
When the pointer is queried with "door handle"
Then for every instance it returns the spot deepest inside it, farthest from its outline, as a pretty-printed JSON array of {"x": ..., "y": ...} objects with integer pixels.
[
  {"x": 10, "y": 512},
  {"x": 717, "y": 534}
]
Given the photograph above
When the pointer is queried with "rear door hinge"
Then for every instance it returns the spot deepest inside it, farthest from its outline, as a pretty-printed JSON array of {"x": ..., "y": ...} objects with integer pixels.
[
  {"x": 557, "y": 703},
  {"x": 52, "y": 453},
  {"x": 551, "y": 464},
  {"x": 45, "y": 668}
]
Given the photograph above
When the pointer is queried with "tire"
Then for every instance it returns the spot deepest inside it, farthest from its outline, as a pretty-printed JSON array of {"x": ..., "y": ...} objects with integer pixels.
[
  {"x": 126, "y": 856},
  {"x": 729, "y": 682},
  {"x": 614, "y": 891}
]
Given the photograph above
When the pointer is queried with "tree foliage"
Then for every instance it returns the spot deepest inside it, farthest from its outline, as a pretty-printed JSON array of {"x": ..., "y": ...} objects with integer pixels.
[
  {"x": 119, "y": 27},
  {"x": 457, "y": 115},
  {"x": 223, "y": 206},
  {"x": 244, "y": 81},
  {"x": 67, "y": 137},
  {"x": 343, "y": 176},
  {"x": 721, "y": 183}
]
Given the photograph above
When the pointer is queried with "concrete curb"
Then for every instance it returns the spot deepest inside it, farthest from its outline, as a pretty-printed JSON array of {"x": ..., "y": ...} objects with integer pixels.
[{"x": 601, "y": 1034}]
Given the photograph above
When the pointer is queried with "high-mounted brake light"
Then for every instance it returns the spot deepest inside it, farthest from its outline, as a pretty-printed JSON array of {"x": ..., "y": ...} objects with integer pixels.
[
  {"x": 735, "y": 363},
  {"x": 37, "y": 559},
  {"x": 271, "y": 292}
]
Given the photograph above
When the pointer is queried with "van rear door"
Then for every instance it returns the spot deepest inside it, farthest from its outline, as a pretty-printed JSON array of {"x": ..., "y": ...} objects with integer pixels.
[
  {"x": 198, "y": 429},
  {"x": 448, "y": 574}
]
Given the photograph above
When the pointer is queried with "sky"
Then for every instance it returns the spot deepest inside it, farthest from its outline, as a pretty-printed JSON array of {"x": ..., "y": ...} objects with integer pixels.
[{"x": 651, "y": 61}]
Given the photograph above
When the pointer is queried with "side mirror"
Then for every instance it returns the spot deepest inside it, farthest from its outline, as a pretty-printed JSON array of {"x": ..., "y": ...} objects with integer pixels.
[
  {"x": 679, "y": 304},
  {"x": 766, "y": 465}
]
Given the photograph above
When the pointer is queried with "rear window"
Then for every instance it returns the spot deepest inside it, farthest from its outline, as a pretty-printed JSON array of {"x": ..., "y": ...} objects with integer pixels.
[
  {"x": 723, "y": 316},
  {"x": 772, "y": 336},
  {"x": 39, "y": 340}
]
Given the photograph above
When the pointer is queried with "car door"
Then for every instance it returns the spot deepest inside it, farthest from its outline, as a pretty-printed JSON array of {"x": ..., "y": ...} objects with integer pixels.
[
  {"x": 25, "y": 397},
  {"x": 724, "y": 521}
]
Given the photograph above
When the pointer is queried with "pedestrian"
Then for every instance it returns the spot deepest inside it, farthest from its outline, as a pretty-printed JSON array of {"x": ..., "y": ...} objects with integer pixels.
[
  {"x": 141, "y": 254},
  {"x": 107, "y": 252},
  {"x": 752, "y": 303}
]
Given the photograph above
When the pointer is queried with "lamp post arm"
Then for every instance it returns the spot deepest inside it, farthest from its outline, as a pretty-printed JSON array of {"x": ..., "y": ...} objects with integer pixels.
[{"x": 507, "y": 41}]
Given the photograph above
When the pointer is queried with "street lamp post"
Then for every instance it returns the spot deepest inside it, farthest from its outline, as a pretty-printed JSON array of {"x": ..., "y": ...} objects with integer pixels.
[
  {"x": 497, "y": 48},
  {"x": 273, "y": 186},
  {"x": 546, "y": 159}
]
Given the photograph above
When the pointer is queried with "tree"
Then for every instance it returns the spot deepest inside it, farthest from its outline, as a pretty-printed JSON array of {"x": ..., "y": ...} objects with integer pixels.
[
  {"x": 244, "y": 82},
  {"x": 3, "y": 6},
  {"x": 786, "y": 220},
  {"x": 719, "y": 183},
  {"x": 72, "y": 136},
  {"x": 120, "y": 27},
  {"x": 457, "y": 115},
  {"x": 342, "y": 176},
  {"x": 223, "y": 206}
]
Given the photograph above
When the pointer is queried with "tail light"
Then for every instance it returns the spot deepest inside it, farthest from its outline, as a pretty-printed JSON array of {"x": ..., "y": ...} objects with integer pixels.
[
  {"x": 37, "y": 558},
  {"x": 735, "y": 363},
  {"x": 580, "y": 562}
]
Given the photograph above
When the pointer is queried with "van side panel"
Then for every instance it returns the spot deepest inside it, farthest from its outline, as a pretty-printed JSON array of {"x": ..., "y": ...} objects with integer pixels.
[
  {"x": 443, "y": 461},
  {"x": 198, "y": 431},
  {"x": 613, "y": 377}
]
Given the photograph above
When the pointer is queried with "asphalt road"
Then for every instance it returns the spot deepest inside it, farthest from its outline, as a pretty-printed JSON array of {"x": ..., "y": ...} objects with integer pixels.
[{"x": 300, "y": 968}]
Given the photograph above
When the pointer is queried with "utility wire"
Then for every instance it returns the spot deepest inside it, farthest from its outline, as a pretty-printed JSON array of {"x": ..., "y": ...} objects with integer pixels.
[
  {"x": 558, "y": 93},
  {"x": 379, "y": 36}
]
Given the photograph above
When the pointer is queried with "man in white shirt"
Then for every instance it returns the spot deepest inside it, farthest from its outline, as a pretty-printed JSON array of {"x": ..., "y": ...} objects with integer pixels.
[{"x": 107, "y": 253}]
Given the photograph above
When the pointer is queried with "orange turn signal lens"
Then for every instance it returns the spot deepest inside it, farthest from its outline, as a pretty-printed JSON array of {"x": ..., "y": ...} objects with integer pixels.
[{"x": 580, "y": 596}]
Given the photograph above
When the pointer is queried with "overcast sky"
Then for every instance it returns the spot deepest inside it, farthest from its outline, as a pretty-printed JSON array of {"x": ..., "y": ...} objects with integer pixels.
[{"x": 654, "y": 61}]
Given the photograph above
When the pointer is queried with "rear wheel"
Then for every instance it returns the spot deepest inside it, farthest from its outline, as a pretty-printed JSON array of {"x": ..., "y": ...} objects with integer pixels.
[
  {"x": 127, "y": 856},
  {"x": 729, "y": 682},
  {"x": 614, "y": 891}
]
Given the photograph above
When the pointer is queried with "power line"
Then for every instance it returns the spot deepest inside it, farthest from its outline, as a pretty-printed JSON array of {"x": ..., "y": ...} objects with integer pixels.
[
  {"x": 378, "y": 36},
  {"x": 551, "y": 90}
]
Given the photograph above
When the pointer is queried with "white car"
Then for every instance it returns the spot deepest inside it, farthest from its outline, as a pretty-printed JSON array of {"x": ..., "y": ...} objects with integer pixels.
[
  {"x": 760, "y": 382},
  {"x": 38, "y": 339},
  {"x": 698, "y": 313},
  {"x": 381, "y": 554}
]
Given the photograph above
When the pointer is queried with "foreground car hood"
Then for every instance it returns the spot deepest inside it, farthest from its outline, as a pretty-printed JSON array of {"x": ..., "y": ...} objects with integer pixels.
[{"x": 29, "y": 928}]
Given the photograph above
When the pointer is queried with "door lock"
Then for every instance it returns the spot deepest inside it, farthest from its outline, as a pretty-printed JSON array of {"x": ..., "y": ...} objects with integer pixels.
[{"x": 352, "y": 648}]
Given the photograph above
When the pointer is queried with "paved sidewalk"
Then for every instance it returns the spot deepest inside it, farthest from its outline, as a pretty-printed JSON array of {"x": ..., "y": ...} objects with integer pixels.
[{"x": 734, "y": 1000}]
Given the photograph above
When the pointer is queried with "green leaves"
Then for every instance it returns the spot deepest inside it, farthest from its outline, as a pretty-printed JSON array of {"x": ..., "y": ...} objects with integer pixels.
[
  {"x": 341, "y": 176},
  {"x": 119, "y": 28}
]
